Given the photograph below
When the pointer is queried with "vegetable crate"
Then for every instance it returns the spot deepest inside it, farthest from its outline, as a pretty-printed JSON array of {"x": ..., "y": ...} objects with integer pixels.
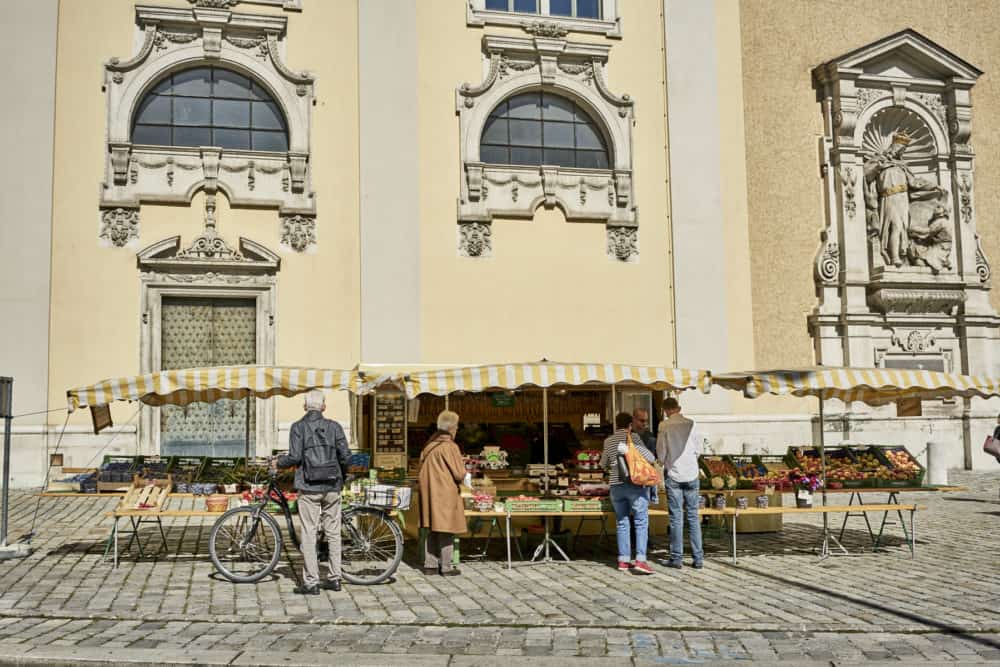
[
  {"x": 116, "y": 472},
  {"x": 514, "y": 506}
]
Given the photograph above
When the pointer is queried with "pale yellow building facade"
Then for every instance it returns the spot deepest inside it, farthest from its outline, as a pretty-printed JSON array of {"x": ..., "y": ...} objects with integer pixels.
[{"x": 375, "y": 212}]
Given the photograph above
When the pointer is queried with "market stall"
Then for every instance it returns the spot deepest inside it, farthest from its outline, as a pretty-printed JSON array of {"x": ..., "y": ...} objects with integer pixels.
[
  {"x": 874, "y": 386},
  {"x": 533, "y": 433}
]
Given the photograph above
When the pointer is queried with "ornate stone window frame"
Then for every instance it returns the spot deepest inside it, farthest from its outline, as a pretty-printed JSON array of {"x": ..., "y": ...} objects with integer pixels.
[
  {"x": 207, "y": 271},
  {"x": 173, "y": 39},
  {"x": 288, "y": 5},
  {"x": 544, "y": 24},
  {"x": 514, "y": 65}
]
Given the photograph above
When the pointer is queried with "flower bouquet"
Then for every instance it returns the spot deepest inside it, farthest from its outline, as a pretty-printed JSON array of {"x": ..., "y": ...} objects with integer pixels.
[{"x": 805, "y": 486}]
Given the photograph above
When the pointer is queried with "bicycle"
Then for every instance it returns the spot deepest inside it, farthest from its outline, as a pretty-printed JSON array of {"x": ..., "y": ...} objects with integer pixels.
[{"x": 245, "y": 542}]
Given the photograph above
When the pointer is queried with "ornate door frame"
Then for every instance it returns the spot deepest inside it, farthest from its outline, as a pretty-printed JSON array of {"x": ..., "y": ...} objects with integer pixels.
[{"x": 245, "y": 274}]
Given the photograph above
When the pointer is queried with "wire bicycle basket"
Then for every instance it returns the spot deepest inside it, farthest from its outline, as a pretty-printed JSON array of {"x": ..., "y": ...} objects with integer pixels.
[{"x": 387, "y": 496}]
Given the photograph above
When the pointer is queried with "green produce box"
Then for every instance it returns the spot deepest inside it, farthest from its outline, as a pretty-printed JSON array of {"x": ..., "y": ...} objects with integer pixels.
[
  {"x": 917, "y": 479},
  {"x": 534, "y": 506}
]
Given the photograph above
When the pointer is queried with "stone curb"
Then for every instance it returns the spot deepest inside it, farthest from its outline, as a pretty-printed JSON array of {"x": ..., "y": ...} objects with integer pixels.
[{"x": 58, "y": 656}]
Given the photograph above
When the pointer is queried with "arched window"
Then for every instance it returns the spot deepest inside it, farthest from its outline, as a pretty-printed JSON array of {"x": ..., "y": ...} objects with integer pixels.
[
  {"x": 541, "y": 128},
  {"x": 210, "y": 106}
]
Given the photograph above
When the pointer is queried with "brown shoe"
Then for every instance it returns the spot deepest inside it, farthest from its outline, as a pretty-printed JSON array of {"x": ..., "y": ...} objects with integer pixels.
[
  {"x": 453, "y": 572},
  {"x": 429, "y": 570}
]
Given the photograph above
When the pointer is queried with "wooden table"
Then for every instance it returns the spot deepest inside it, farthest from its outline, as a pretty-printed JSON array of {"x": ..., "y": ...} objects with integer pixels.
[
  {"x": 893, "y": 499},
  {"x": 833, "y": 509},
  {"x": 589, "y": 515},
  {"x": 139, "y": 517}
]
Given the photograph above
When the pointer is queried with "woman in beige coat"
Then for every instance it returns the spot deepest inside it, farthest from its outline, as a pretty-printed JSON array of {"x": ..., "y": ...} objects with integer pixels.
[{"x": 441, "y": 510}]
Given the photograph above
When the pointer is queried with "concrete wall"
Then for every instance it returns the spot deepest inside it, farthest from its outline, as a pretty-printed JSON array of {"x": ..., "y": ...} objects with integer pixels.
[{"x": 26, "y": 138}]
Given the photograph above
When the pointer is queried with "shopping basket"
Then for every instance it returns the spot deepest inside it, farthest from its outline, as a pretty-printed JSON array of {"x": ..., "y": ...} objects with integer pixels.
[{"x": 387, "y": 496}]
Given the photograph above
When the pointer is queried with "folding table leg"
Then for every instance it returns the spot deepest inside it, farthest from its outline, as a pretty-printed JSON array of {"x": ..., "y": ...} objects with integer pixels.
[
  {"x": 733, "y": 521},
  {"x": 115, "y": 531},
  {"x": 508, "y": 541},
  {"x": 163, "y": 536},
  {"x": 913, "y": 534}
]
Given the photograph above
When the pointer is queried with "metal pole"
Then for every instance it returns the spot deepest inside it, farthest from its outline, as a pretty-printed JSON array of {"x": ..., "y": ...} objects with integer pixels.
[
  {"x": 247, "y": 454},
  {"x": 545, "y": 435},
  {"x": 6, "y": 409},
  {"x": 6, "y": 478}
]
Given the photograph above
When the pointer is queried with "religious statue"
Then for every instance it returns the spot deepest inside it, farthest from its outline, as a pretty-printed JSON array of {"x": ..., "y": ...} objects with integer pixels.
[{"x": 906, "y": 214}]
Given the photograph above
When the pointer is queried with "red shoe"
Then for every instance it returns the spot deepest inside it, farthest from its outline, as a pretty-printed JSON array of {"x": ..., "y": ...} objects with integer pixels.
[
  {"x": 624, "y": 566},
  {"x": 642, "y": 567}
]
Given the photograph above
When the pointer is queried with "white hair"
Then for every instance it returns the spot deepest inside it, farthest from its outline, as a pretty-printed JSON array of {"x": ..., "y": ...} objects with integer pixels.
[
  {"x": 447, "y": 420},
  {"x": 315, "y": 400}
]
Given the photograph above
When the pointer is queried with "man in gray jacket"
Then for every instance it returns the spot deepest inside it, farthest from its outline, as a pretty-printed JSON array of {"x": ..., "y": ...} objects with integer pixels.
[{"x": 318, "y": 449}]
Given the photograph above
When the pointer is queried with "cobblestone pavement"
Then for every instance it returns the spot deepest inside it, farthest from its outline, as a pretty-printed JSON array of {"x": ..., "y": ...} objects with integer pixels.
[{"x": 779, "y": 603}]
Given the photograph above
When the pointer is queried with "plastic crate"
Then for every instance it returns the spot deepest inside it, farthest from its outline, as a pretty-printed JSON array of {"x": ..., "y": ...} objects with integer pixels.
[{"x": 514, "y": 506}]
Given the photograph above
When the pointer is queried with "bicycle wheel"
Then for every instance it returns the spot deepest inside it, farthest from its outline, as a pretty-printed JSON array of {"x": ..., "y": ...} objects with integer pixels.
[
  {"x": 372, "y": 546},
  {"x": 245, "y": 548}
]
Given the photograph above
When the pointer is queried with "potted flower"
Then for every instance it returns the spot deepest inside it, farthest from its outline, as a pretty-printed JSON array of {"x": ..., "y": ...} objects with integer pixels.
[{"x": 805, "y": 486}]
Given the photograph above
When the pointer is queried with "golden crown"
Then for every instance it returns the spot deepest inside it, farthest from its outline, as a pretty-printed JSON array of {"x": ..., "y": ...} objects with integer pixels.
[{"x": 901, "y": 138}]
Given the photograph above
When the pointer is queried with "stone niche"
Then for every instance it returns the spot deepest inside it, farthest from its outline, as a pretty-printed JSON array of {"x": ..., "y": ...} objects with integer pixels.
[{"x": 901, "y": 279}]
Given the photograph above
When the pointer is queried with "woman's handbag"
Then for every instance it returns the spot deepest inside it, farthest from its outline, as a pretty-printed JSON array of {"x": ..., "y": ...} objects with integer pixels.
[
  {"x": 992, "y": 446},
  {"x": 623, "y": 472},
  {"x": 642, "y": 472}
]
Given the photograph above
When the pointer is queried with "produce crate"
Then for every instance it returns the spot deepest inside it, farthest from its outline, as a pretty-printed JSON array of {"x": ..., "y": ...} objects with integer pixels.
[
  {"x": 898, "y": 450},
  {"x": 716, "y": 465},
  {"x": 747, "y": 470},
  {"x": 217, "y": 468},
  {"x": 588, "y": 505},
  {"x": 359, "y": 462},
  {"x": 70, "y": 480},
  {"x": 514, "y": 506},
  {"x": 116, "y": 472},
  {"x": 145, "y": 494}
]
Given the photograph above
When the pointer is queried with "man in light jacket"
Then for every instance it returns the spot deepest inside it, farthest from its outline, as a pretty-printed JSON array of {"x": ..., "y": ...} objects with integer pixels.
[{"x": 678, "y": 446}]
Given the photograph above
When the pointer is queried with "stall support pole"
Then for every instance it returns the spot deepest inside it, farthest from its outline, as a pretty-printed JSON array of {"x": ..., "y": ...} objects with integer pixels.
[
  {"x": 545, "y": 454},
  {"x": 247, "y": 454},
  {"x": 19, "y": 550},
  {"x": 827, "y": 537}
]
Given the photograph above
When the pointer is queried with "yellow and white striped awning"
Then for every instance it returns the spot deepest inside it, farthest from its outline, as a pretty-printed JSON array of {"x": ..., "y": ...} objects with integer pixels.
[
  {"x": 192, "y": 385},
  {"x": 548, "y": 374},
  {"x": 869, "y": 385}
]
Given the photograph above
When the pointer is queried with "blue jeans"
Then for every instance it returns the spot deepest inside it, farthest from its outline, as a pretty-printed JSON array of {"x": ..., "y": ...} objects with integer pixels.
[
  {"x": 631, "y": 500},
  {"x": 682, "y": 501}
]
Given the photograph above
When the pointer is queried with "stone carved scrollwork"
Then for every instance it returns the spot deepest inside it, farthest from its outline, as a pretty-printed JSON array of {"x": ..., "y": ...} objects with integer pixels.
[
  {"x": 965, "y": 197},
  {"x": 849, "y": 179},
  {"x": 211, "y": 246},
  {"x": 298, "y": 232},
  {"x": 215, "y": 4},
  {"x": 935, "y": 103},
  {"x": 119, "y": 226},
  {"x": 544, "y": 29},
  {"x": 164, "y": 36},
  {"x": 828, "y": 261},
  {"x": 868, "y": 95},
  {"x": 507, "y": 64},
  {"x": 915, "y": 341},
  {"x": 623, "y": 243},
  {"x": 475, "y": 239},
  {"x": 247, "y": 43},
  {"x": 982, "y": 264}
]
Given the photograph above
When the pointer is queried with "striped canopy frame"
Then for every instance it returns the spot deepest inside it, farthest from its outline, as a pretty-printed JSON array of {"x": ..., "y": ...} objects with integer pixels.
[
  {"x": 869, "y": 385},
  {"x": 548, "y": 374},
  {"x": 193, "y": 385}
]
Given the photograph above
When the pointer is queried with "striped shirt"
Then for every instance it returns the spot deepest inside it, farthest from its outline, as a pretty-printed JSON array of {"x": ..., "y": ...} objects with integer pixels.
[{"x": 609, "y": 457}]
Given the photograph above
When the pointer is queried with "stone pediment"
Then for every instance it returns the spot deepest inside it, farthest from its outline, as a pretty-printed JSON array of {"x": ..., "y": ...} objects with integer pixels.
[
  {"x": 208, "y": 253},
  {"x": 906, "y": 54}
]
